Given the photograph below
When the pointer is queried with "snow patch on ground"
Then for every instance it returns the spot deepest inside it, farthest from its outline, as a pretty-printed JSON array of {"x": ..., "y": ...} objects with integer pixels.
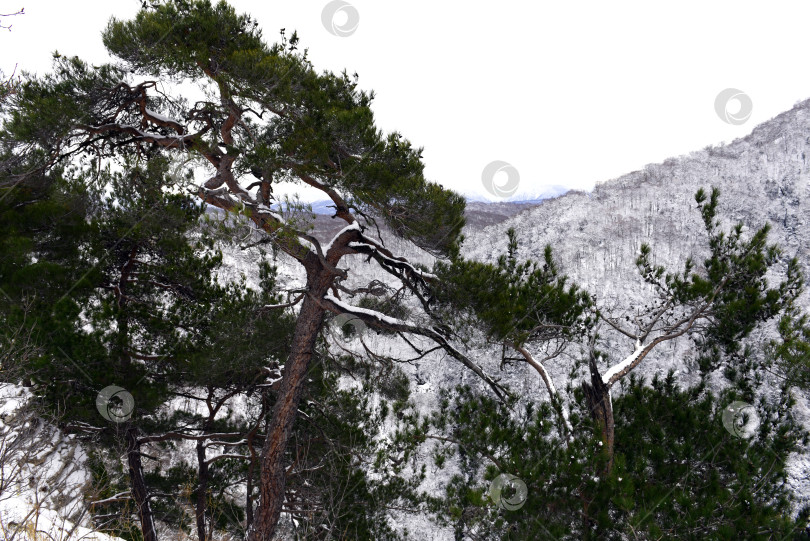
[{"x": 45, "y": 482}]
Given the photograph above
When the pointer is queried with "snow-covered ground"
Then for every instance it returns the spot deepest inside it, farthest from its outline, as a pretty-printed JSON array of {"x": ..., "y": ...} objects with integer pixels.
[{"x": 44, "y": 480}]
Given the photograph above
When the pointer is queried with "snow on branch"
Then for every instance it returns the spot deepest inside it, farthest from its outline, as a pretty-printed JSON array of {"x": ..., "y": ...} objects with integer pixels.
[
  {"x": 382, "y": 321},
  {"x": 120, "y": 497},
  {"x": 626, "y": 364},
  {"x": 538, "y": 366},
  {"x": 161, "y": 120},
  {"x": 354, "y": 226}
]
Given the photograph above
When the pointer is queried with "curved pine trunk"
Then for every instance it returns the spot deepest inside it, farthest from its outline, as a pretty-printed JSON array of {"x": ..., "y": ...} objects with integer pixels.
[
  {"x": 597, "y": 397},
  {"x": 285, "y": 411}
]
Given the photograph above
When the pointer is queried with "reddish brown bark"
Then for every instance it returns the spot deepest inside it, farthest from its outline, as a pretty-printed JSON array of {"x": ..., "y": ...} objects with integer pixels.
[{"x": 285, "y": 410}]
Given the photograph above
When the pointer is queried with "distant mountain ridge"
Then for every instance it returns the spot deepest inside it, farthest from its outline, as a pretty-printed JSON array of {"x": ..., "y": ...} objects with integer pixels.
[
  {"x": 763, "y": 178},
  {"x": 537, "y": 196},
  {"x": 479, "y": 213},
  {"x": 533, "y": 195}
]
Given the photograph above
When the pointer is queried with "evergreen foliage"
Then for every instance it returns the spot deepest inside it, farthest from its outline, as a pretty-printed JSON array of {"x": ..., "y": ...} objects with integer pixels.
[
  {"x": 679, "y": 474},
  {"x": 515, "y": 301}
]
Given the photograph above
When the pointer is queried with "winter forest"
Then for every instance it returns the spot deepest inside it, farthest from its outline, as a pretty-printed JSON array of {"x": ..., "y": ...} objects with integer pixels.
[{"x": 187, "y": 352}]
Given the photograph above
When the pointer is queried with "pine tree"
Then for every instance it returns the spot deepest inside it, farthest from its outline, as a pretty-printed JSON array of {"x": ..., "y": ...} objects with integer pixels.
[
  {"x": 527, "y": 307},
  {"x": 791, "y": 352},
  {"x": 717, "y": 305},
  {"x": 271, "y": 116},
  {"x": 678, "y": 473}
]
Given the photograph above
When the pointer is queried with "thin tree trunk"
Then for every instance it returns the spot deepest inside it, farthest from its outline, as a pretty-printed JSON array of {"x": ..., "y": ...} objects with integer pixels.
[
  {"x": 285, "y": 410},
  {"x": 139, "y": 492},
  {"x": 253, "y": 462},
  {"x": 597, "y": 397},
  {"x": 202, "y": 489},
  {"x": 249, "y": 488}
]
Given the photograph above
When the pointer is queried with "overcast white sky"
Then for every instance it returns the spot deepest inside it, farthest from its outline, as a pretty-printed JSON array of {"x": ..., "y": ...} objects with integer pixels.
[{"x": 569, "y": 93}]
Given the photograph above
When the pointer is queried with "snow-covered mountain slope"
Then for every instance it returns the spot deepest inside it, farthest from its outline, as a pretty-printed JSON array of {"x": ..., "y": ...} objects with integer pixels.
[{"x": 763, "y": 178}]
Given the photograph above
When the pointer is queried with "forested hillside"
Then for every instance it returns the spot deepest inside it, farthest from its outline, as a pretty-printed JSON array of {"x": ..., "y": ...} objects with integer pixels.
[{"x": 186, "y": 354}]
